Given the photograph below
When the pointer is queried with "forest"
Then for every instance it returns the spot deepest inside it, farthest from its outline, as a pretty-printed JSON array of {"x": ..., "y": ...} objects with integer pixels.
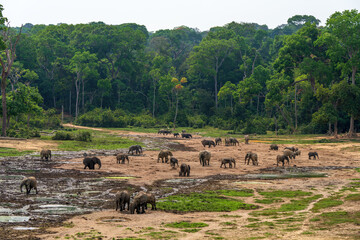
[{"x": 299, "y": 77}]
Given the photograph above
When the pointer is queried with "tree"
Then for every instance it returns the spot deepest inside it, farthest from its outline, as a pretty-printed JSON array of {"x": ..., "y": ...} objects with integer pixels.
[
  {"x": 343, "y": 40},
  {"x": 7, "y": 57},
  {"x": 178, "y": 86}
]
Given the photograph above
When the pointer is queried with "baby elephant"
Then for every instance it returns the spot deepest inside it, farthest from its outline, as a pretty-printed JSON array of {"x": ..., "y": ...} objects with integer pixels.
[
  {"x": 45, "y": 154},
  {"x": 253, "y": 157},
  {"x": 90, "y": 162},
  {"x": 151, "y": 200},
  {"x": 29, "y": 183},
  {"x": 184, "y": 170},
  {"x": 121, "y": 199},
  {"x": 274, "y": 147},
  {"x": 218, "y": 141},
  {"x": 173, "y": 161},
  {"x": 204, "y": 158},
  {"x": 120, "y": 158},
  {"x": 136, "y": 148},
  {"x": 282, "y": 158},
  {"x": 208, "y": 142},
  {"x": 164, "y": 154},
  {"x": 229, "y": 161},
  {"x": 313, "y": 154},
  {"x": 246, "y": 137}
]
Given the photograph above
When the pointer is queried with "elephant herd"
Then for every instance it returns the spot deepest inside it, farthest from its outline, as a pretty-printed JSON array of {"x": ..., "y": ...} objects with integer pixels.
[{"x": 140, "y": 201}]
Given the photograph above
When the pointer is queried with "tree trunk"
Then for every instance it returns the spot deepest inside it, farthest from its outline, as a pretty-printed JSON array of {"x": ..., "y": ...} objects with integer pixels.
[
  {"x": 28, "y": 120},
  {"x": 285, "y": 118},
  {"x": 352, "y": 125},
  {"x": 216, "y": 96},
  {"x": 77, "y": 88},
  {"x": 101, "y": 100},
  {"x": 276, "y": 126},
  {"x": 329, "y": 130},
  {"x": 257, "y": 106},
  {"x": 83, "y": 95},
  {"x": 176, "y": 109},
  {"x": 296, "y": 122},
  {"x": 70, "y": 103},
  {"x": 154, "y": 99},
  {"x": 335, "y": 129},
  {"x": 4, "y": 112}
]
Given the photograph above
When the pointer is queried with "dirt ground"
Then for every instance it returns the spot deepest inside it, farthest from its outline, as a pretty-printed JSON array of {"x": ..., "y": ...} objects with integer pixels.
[{"x": 336, "y": 160}]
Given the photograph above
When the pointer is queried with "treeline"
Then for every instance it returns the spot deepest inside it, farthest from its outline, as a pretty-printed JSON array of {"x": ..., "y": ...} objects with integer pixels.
[{"x": 244, "y": 77}]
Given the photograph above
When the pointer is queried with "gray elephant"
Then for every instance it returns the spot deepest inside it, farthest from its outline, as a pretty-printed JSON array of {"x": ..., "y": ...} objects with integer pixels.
[
  {"x": 121, "y": 199},
  {"x": 140, "y": 201},
  {"x": 186, "y": 135},
  {"x": 313, "y": 154},
  {"x": 29, "y": 183},
  {"x": 45, "y": 154},
  {"x": 282, "y": 158},
  {"x": 164, "y": 154},
  {"x": 173, "y": 161},
  {"x": 120, "y": 158},
  {"x": 204, "y": 158},
  {"x": 246, "y": 137},
  {"x": 218, "y": 141},
  {"x": 274, "y": 147},
  {"x": 229, "y": 161},
  {"x": 289, "y": 153},
  {"x": 208, "y": 142},
  {"x": 253, "y": 157},
  {"x": 234, "y": 141},
  {"x": 184, "y": 170},
  {"x": 151, "y": 199},
  {"x": 136, "y": 148},
  {"x": 293, "y": 149},
  {"x": 90, "y": 162}
]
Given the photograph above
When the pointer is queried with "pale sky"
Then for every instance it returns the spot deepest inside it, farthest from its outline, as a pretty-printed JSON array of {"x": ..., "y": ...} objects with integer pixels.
[{"x": 167, "y": 14}]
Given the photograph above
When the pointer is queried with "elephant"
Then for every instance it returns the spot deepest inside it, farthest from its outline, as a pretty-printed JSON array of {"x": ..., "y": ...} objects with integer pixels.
[
  {"x": 164, "y": 154},
  {"x": 176, "y": 135},
  {"x": 208, "y": 142},
  {"x": 121, "y": 199},
  {"x": 233, "y": 141},
  {"x": 173, "y": 161},
  {"x": 186, "y": 135},
  {"x": 29, "y": 183},
  {"x": 90, "y": 162},
  {"x": 313, "y": 154},
  {"x": 274, "y": 147},
  {"x": 136, "y": 148},
  {"x": 45, "y": 154},
  {"x": 204, "y": 158},
  {"x": 140, "y": 201},
  {"x": 218, "y": 141},
  {"x": 253, "y": 157},
  {"x": 289, "y": 153},
  {"x": 229, "y": 161},
  {"x": 151, "y": 200},
  {"x": 282, "y": 158},
  {"x": 293, "y": 149},
  {"x": 246, "y": 137},
  {"x": 184, "y": 170},
  {"x": 227, "y": 142},
  {"x": 120, "y": 158},
  {"x": 297, "y": 153}
]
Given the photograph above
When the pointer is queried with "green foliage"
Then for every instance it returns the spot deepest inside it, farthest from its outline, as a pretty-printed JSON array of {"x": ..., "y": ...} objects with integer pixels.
[
  {"x": 207, "y": 202},
  {"x": 326, "y": 203},
  {"x": 332, "y": 218},
  {"x": 285, "y": 193},
  {"x": 186, "y": 225},
  {"x": 237, "y": 193},
  {"x": 61, "y": 135},
  {"x": 353, "y": 197},
  {"x": 84, "y": 136},
  {"x": 11, "y": 152}
]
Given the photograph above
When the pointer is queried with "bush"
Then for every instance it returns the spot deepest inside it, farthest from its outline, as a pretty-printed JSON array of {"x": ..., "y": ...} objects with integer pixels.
[
  {"x": 62, "y": 136},
  {"x": 84, "y": 136},
  {"x": 23, "y": 132},
  {"x": 196, "y": 121},
  {"x": 257, "y": 125}
]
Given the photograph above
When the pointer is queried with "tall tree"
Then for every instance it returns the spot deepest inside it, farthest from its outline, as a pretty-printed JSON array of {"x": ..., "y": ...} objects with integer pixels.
[
  {"x": 7, "y": 57},
  {"x": 343, "y": 40}
]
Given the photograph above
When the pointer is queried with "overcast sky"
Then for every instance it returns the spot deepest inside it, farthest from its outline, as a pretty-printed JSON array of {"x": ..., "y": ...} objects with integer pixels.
[{"x": 167, "y": 14}]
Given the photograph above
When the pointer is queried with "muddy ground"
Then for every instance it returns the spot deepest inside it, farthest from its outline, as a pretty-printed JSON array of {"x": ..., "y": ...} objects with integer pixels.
[{"x": 73, "y": 202}]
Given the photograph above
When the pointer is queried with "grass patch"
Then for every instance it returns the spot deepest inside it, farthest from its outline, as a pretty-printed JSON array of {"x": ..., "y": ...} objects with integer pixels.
[
  {"x": 269, "y": 200},
  {"x": 162, "y": 235},
  {"x": 228, "y": 224},
  {"x": 12, "y": 152},
  {"x": 353, "y": 197},
  {"x": 294, "y": 205},
  {"x": 289, "y": 220},
  {"x": 285, "y": 194},
  {"x": 202, "y": 202},
  {"x": 332, "y": 218},
  {"x": 68, "y": 225},
  {"x": 326, "y": 203},
  {"x": 260, "y": 224},
  {"x": 191, "y": 230},
  {"x": 230, "y": 216},
  {"x": 307, "y": 233},
  {"x": 237, "y": 193},
  {"x": 187, "y": 225}
]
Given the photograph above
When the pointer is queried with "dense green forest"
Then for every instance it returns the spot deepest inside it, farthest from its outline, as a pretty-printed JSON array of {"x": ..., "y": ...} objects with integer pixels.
[{"x": 244, "y": 77}]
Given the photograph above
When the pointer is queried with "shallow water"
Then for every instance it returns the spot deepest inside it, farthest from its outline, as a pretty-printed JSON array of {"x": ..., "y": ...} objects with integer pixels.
[{"x": 14, "y": 219}]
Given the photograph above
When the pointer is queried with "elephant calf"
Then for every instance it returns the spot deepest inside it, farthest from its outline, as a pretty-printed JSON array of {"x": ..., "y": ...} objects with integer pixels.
[
  {"x": 151, "y": 199},
  {"x": 204, "y": 158},
  {"x": 313, "y": 154},
  {"x": 184, "y": 170},
  {"x": 208, "y": 142},
  {"x": 90, "y": 162},
  {"x": 289, "y": 153},
  {"x": 29, "y": 183},
  {"x": 282, "y": 158},
  {"x": 246, "y": 137},
  {"x": 229, "y": 161},
  {"x": 253, "y": 157},
  {"x": 274, "y": 147},
  {"x": 45, "y": 154},
  {"x": 120, "y": 158},
  {"x": 121, "y": 199},
  {"x": 186, "y": 135},
  {"x": 164, "y": 154},
  {"x": 218, "y": 141},
  {"x": 173, "y": 161},
  {"x": 136, "y": 148}
]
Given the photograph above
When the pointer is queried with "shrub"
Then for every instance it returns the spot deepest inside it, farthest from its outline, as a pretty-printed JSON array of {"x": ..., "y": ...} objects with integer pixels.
[
  {"x": 196, "y": 121},
  {"x": 62, "y": 136},
  {"x": 84, "y": 136}
]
